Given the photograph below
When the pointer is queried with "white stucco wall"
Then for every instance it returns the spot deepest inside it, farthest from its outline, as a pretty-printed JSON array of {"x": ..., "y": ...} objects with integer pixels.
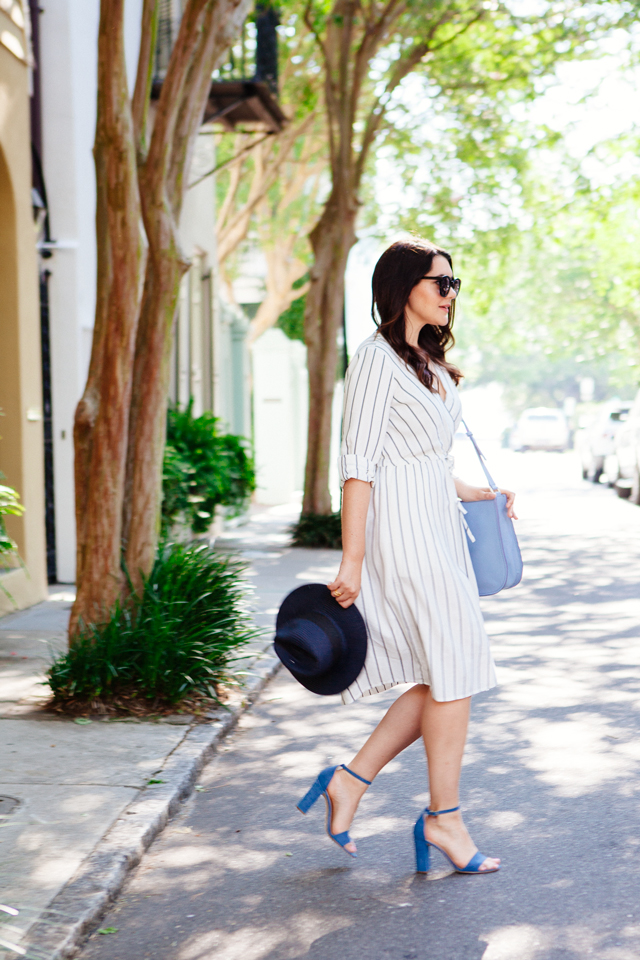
[
  {"x": 280, "y": 404},
  {"x": 197, "y": 234}
]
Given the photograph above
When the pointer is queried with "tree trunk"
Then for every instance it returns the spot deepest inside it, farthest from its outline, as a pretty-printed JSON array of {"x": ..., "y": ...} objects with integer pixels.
[
  {"x": 141, "y": 513},
  {"x": 331, "y": 240},
  {"x": 87, "y": 409},
  {"x": 119, "y": 432},
  {"x": 102, "y": 416},
  {"x": 205, "y": 33}
]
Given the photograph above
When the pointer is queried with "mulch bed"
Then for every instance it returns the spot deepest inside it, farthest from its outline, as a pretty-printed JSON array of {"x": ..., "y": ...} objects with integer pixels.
[{"x": 132, "y": 705}]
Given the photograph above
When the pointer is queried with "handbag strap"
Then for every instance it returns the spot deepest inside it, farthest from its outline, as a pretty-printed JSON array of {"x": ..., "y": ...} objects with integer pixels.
[{"x": 481, "y": 458}]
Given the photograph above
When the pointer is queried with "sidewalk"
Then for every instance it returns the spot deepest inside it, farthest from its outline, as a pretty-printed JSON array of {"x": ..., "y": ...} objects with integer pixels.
[{"x": 70, "y": 790}]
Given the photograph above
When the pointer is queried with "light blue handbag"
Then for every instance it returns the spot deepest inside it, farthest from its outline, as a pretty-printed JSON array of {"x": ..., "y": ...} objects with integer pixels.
[{"x": 493, "y": 544}]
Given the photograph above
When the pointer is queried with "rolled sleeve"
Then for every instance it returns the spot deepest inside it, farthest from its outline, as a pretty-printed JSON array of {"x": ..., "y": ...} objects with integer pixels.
[
  {"x": 353, "y": 467},
  {"x": 367, "y": 403}
]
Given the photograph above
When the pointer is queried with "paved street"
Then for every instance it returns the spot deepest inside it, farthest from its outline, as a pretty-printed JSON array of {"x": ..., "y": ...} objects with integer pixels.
[{"x": 550, "y": 784}]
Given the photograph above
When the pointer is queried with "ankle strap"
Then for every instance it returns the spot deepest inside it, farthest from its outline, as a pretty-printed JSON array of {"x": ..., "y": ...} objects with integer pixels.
[
  {"x": 436, "y": 813},
  {"x": 356, "y": 775}
]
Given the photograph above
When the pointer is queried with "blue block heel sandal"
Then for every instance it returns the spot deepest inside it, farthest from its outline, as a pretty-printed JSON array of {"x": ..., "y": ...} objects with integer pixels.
[
  {"x": 422, "y": 848},
  {"x": 319, "y": 788}
]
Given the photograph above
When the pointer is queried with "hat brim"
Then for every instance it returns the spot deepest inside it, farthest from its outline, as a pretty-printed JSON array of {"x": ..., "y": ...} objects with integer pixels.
[{"x": 316, "y": 597}]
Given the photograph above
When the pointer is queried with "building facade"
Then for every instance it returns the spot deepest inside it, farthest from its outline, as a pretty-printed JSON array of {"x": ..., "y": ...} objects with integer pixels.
[
  {"x": 21, "y": 443},
  {"x": 48, "y": 87}
]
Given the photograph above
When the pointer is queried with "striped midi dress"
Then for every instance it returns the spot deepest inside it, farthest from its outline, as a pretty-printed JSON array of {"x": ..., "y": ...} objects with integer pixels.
[{"x": 419, "y": 597}]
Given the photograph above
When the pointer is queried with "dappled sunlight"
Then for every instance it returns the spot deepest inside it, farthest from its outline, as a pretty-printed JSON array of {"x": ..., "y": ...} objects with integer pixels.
[
  {"x": 20, "y": 683},
  {"x": 505, "y": 820},
  {"x": 526, "y": 942},
  {"x": 320, "y": 573},
  {"x": 83, "y": 803},
  {"x": 290, "y": 939},
  {"x": 550, "y": 784},
  {"x": 47, "y": 874},
  {"x": 530, "y": 942},
  {"x": 572, "y": 755},
  {"x": 376, "y": 825}
]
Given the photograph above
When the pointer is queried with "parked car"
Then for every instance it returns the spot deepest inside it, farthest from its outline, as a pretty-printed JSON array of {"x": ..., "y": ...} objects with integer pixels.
[
  {"x": 627, "y": 452},
  {"x": 540, "y": 428},
  {"x": 598, "y": 439}
]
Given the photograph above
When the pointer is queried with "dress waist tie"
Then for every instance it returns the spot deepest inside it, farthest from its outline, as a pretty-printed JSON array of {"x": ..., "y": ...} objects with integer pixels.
[{"x": 467, "y": 529}]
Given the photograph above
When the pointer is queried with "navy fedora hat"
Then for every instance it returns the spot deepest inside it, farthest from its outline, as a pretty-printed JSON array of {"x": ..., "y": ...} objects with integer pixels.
[{"x": 319, "y": 642}]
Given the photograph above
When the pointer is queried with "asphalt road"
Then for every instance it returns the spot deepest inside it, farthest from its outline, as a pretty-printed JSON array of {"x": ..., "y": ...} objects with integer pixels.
[{"x": 550, "y": 784}]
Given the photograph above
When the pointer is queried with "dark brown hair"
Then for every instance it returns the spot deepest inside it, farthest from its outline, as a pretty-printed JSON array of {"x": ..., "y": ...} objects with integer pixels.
[{"x": 399, "y": 269}]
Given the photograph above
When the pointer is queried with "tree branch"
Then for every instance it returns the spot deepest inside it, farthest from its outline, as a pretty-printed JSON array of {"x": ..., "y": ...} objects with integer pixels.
[
  {"x": 232, "y": 233},
  {"x": 159, "y": 218},
  {"x": 226, "y": 163},
  {"x": 326, "y": 50},
  {"x": 235, "y": 175},
  {"x": 372, "y": 37},
  {"x": 311, "y": 28},
  {"x": 144, "y": 75},
  {"x": 402, "y": 68},
  {"x": 223, "y": 21}
]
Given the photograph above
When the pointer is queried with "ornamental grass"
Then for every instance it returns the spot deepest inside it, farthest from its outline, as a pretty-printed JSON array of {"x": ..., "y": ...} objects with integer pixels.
[{"x": 176, "y": 640}]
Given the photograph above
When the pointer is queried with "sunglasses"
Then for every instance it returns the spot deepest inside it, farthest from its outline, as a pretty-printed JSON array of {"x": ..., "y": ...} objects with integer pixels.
[{"x": 446, "y": 284}]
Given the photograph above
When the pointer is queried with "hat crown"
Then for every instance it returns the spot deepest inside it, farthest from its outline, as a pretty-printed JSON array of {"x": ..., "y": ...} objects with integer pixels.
[
  {"x": 309, "y": 645},
  {"x": 323, "y": 644}
]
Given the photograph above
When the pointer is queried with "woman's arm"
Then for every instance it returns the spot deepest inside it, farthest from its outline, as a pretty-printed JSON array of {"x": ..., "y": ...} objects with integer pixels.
[
  {"x": 468, "y": 493},
  {"x": 355, "y": 505}
]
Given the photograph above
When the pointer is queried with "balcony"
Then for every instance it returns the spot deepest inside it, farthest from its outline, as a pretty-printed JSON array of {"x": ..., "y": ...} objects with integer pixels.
[{"x": 234, "y": 100}]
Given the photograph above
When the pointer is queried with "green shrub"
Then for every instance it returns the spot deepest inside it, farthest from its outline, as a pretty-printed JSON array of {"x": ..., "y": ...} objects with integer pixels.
[
  {"x": 203, "y": 469},
  {"x": 291, "y": 322},
  {"x": 177, "y": 639},
  {"x": 318, "y": 530},
  {"x": 9, "y": 505}
]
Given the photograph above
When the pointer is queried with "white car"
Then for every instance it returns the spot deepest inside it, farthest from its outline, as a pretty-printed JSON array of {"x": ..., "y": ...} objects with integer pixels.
[
  {"x": 540, "y": 428},
  {"x": 599, "y": 438},
  {"x": 626, "y": 479}
]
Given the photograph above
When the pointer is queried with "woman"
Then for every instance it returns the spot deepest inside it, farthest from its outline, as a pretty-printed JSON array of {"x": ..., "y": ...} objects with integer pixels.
[{"x": 405, "y": 560}]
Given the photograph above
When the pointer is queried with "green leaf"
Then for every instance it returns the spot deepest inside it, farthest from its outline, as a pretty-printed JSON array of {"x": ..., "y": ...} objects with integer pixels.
[{"x": 9, "y": 502}]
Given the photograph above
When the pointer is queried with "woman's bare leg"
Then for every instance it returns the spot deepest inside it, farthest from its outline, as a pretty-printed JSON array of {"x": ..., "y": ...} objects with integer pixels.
[
  {"x": 444, "y": 729},
  {"x": 443, "y": 726},
  {"x": 400, "y": 727}
]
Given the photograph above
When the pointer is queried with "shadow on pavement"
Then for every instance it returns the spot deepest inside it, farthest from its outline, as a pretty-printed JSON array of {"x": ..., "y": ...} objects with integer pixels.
[{"x": 550, "y": 784}]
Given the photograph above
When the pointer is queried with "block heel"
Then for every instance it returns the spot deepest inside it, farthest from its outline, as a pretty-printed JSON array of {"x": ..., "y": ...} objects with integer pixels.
[
  {"x": 423, "y": 845},
  {"x": 319, "y": 789},
  {"x": 310, "y": 797}
]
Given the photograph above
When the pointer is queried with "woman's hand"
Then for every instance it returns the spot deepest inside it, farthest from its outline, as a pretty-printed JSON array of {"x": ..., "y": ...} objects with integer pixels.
[
  {"x": 356, "y": 495},
  {"x": 468, "y": 494},
  {"x": 346, "y": 587}
]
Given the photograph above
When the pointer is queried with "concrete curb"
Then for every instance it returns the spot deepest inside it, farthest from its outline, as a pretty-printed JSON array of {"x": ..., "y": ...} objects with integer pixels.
[{"x": 82, "y": 902}]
